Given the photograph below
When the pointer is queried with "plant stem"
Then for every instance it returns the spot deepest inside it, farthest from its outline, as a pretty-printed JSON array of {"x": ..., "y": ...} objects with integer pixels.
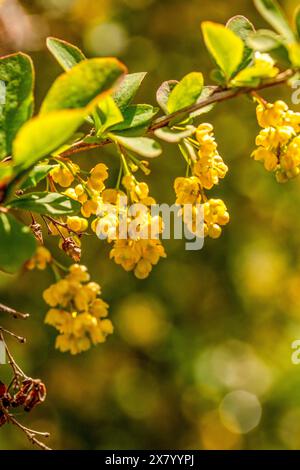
[
  {"x": 220, "y": 94},
  {"x": 14, "y": 313}
]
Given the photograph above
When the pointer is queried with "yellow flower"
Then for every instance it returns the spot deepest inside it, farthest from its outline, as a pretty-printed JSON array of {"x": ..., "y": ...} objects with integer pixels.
[
  {"x": 271, "y": 115},
  {"x": 80, "y": 313},
  {"x": 143, "y": 269},
  {"x": 125, "y": 253},
  {"x": 63, "y": 175},
  {"x": 81, "y": 193},
  {"x": 99, "y": 172},
  {"x": 40, "y": 260},
  {"x": 110, "y": 196},
  {"x": 99, "y": 308},
  {"x": 215, "y": 214},
  {"x": 268, "y": 157},
  {"x": 278, "y": 142},
  {"x": 89, "y": 208},
  {"x": 187, "y": 190},
  {"x": 77, "y": 224},
  {"x": 78, "y": 273},
  {"x": 205, "y": 137}
]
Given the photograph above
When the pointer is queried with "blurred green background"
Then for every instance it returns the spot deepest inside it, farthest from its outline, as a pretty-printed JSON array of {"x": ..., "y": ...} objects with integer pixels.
[{"x": 201, "y": 354}]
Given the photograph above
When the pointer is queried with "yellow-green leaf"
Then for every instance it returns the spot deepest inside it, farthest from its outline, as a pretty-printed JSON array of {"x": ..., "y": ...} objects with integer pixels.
[
  {"x": 263, "y": 67},
  {"x": 225, "y": 46},
  {"x": 297, "y": 20},
  {"x": 43, "y": 134},
  {"x": 108, "y": 114},
  {"x": 78, "y": 87},
  {"x": 294, "y": 53},
  {"x": 186, "y": 92}
]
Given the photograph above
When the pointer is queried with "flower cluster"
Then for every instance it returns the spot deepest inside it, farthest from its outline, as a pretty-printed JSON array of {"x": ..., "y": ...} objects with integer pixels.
[
  {"x": 207, "y": 168},
  {"x": 77, "y": 311},
  {"x": 278, "y": 143},
  {"x": 136, "y": 246},
  {"x": 88, "y": 192}
]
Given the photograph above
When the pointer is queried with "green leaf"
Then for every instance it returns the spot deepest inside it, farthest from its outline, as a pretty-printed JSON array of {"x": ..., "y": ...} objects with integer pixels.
[
  {"x": 271, "y": 12},
  {"x": 17, "y": 72},
  {"x": 186, "y": 92},
  {"x": 108, "y": 114},
  {"x": 173, "y": 136},
  {"x": 218, "y": 77},
  {"x": 297, "y": 20},
  {"x": 143, "y": 146},
  {"x": 17, "y": 244},
  {"x": 136, "y": 116},
  {"x": 163, "y": 93},
  {"x": 264, "y": 40},
  {"x": 37, "y": 174},
  {"x": 225, "y": 46},
  {"x": 242, "y": 27},
  {"x": 86, "y": 81},
  {"x": 206, "y": 92},
  {"x": 128, "y": 88},
  {"x": 139, "y": 131},
  {"x": 46, "y": 203},
  {"x": 65, "y": 53},
  {"x": 43, "y": 134}
]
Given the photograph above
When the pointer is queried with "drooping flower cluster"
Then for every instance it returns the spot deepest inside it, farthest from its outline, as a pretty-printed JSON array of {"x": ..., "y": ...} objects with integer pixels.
[
  {"x": 77, "y": 311},
  {"x": 88, "y": 192},
  {"x": 136, "y": 246},
  {"x": 207, "y": 168},
  {"x": 278, "y": 143}
]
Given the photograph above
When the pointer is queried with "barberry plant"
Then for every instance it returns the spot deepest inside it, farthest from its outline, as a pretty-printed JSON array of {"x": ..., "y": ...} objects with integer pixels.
[{"x": 90, "y": 105}]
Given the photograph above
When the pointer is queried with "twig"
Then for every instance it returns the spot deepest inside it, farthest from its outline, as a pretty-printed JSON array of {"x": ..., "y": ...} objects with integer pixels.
[
  {"x": 19, "y": 377},
  {"x": 21, "y": 339},
  {"x": 30, "y": 433},
  {"x": 16, "y": 369},
  {"x": 58, "y": 224},
  {"x": 13, "y": 312},
  {"x": 220, "y": 94}
]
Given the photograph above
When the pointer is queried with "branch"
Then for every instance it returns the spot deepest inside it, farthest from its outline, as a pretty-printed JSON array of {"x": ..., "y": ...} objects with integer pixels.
[
  {"x": 13, "y": 312},
  {"x": 20, "y": 394},
  {"x": 30, "y": 433},
  {"x": 220, "y": 94}
]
